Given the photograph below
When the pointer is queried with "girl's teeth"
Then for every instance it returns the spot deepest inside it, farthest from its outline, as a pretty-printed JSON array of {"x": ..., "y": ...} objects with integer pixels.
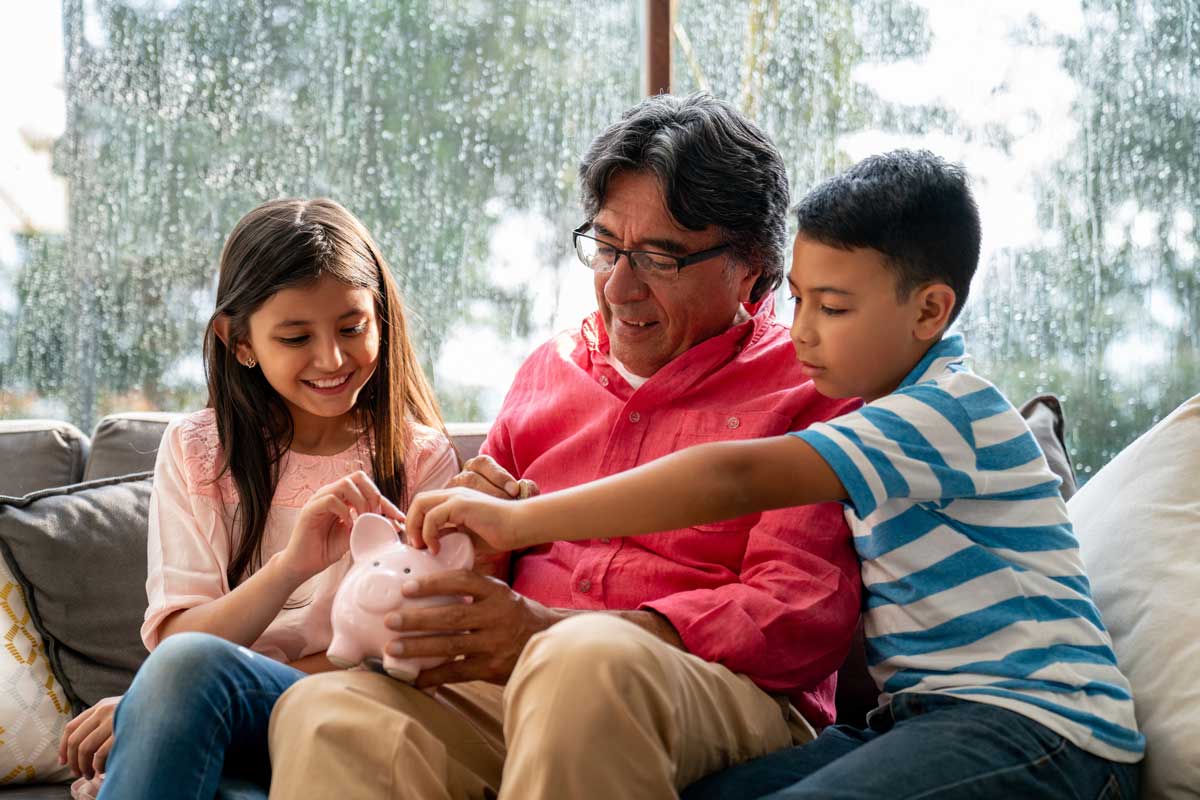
[{"x": 330, "y": 383}]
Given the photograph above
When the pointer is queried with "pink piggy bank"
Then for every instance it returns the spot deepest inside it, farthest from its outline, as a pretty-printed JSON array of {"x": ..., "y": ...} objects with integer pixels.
[{"x": 371, "y": 589}]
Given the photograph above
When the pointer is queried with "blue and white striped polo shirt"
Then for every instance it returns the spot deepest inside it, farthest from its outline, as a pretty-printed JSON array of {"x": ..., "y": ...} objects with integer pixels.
[{"x": 973, "y": 582}]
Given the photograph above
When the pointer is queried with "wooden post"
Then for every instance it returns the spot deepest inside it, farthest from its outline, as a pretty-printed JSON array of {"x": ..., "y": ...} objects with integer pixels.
[{"x": 656, "y": 60}]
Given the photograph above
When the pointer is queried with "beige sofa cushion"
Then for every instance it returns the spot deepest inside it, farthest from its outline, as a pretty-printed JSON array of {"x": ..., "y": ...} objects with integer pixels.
[{"x": 1138, "y": 523}]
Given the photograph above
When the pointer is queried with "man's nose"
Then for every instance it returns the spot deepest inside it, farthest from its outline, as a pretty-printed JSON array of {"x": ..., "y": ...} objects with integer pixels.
[{"x": 623, "y": 284}]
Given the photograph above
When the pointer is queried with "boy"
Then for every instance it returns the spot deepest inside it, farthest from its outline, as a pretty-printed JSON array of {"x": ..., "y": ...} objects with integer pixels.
[{"x": 996, "y": 675}]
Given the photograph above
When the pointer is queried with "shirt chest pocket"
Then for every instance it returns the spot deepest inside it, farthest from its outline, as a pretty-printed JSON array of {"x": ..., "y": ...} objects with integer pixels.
[{"x": 705, "y": 427}]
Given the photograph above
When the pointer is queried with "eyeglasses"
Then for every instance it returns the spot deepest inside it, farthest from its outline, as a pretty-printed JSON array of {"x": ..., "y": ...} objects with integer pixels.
[{"x": 647, "y": 265}]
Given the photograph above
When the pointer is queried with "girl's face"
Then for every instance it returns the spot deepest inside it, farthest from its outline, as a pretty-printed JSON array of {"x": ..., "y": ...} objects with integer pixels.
[{"x": 317, "y": 345}]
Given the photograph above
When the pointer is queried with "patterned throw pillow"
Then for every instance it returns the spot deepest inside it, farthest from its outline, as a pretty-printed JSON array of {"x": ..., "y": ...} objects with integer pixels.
[{"x": 33, "y": 706}]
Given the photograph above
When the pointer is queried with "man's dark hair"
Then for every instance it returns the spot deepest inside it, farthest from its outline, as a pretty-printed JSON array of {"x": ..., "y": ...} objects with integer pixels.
[
  {"x": 715, "y": 167},
  {"x": 910, "y": 205}
]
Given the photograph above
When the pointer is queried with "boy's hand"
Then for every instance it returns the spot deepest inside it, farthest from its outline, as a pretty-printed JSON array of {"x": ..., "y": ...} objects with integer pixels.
[{"x": 490, "y": 521}]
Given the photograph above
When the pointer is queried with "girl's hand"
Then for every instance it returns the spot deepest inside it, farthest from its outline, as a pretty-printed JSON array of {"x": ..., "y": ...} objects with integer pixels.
[
  {"x": 322, "y": 533},
  {"x": 88, "y": 738},
  {"x": 490, "y": 521}
]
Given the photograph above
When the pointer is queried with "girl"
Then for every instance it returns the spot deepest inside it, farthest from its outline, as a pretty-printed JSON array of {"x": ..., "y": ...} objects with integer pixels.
[{"x": 317, "y": 411}]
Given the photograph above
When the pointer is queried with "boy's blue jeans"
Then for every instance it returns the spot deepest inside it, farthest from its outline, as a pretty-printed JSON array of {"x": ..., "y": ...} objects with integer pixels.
[
  {"x": 194, "y": 723},
  {"x": 928, "y": 746}
]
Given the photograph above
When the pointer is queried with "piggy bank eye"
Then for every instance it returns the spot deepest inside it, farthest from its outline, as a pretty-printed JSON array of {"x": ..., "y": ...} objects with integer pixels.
[
  {"x": 375, "y": 564},
  {"x": 407, "y": 570}
]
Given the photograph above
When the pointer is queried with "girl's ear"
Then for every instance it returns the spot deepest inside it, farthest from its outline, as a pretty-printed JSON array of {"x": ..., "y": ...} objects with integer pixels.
[
  {"x": 242, "y": 351},
  {"x": 935, "y": 304}
]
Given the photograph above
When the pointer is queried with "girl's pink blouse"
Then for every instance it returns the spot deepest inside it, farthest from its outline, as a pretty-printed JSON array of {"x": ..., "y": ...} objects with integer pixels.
[{"x": 192, "y": 524}]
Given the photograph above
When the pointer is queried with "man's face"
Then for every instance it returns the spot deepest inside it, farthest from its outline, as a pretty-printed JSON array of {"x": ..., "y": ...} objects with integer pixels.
[{"x": 650, "y": 323}]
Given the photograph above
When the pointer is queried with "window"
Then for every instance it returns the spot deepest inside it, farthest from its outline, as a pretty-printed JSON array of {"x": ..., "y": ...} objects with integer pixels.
[
  {"x": 454, "y": 130},
  {"x": 1077, "y": 122}
]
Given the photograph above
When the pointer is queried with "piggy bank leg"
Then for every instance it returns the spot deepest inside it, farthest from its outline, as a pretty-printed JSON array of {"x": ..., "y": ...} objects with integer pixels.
[
  {"x": 342, "y": 653},
  {"x": 402, "y": 669}
]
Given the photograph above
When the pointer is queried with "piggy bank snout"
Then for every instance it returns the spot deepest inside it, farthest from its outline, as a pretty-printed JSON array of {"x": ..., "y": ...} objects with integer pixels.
[{"x": 379, "y": 591}]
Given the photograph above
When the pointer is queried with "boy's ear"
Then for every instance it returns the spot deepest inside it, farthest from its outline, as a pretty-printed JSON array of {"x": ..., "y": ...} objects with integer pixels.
[
  {"x": 935, "y": 304},
  {"x": 221, "y": 328}
]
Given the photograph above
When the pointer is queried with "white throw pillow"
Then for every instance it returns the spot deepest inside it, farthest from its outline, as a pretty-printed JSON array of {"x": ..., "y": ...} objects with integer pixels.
[
  {"x": 1138, "y": 523},
  {"x": 33, "y": 706}
]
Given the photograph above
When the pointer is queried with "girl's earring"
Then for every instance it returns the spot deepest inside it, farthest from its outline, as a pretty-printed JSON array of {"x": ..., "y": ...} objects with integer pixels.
[{"x": 251, "y": 362}]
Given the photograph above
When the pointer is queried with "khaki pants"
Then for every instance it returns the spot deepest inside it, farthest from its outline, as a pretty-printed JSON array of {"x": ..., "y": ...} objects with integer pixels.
[{"x": 596, "y": 707}]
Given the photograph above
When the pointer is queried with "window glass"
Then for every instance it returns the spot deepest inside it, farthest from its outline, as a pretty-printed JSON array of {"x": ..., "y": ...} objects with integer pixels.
[
  {"x": 144, "y": 129},
  {"x": 1077, "y": 121}
]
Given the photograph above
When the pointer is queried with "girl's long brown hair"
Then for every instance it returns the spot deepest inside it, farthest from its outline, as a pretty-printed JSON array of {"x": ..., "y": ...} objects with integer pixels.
[{"x": 285, "y": 244}]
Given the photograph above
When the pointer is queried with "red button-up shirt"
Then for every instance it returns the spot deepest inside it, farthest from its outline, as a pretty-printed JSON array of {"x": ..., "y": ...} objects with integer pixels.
[{"x": 774, "y": 596}]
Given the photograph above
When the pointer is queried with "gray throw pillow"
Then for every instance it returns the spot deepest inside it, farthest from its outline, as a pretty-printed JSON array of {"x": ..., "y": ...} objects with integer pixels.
[
  {"x": 79, "y": 552},
  {"x": 1044, "y": 415}
]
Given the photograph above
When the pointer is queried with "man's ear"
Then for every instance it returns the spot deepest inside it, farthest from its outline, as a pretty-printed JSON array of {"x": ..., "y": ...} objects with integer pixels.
[
  {"x": 221, "y": 329},
  {"x": 746, "y": 284},
  {"x": 934, "y": 304}
]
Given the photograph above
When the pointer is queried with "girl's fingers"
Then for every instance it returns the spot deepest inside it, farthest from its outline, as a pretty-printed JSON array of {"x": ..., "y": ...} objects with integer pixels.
[
  {"x": 101, "y": 758},
  {"x": 88, "y": 749},
  {"x": 351, "y": 495},
  {"x": 390, "y": 509},
  {"x": 370, "y": 492},
  {"x": 77, "y": 738},
  {"x": 332, "y": 504}
]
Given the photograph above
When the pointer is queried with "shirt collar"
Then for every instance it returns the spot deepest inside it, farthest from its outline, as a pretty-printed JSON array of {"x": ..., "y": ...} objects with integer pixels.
[{"x": 948, "y": 352}]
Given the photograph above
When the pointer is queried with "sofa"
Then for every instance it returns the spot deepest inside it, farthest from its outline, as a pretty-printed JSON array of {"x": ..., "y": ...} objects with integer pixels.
[{"x": 73, "y": 534}]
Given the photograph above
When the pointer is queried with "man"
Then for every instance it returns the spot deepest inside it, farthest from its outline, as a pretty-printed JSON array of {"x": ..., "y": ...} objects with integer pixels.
[{"x": 623, "y": 667}]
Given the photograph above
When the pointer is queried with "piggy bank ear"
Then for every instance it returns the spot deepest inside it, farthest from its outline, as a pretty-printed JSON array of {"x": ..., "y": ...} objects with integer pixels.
[
  {"x": 370, "y": 533},
  {"x": 456, "y": 551}
]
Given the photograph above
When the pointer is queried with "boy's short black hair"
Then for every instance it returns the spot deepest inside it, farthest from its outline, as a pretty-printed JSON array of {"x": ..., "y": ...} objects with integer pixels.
[{"x": 910, "y": 205}]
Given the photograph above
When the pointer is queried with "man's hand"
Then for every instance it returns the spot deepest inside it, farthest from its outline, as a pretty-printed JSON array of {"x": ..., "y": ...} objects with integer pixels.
[
  {"x": 490, "y": 631},
  {"x": 483, "y": 474}
]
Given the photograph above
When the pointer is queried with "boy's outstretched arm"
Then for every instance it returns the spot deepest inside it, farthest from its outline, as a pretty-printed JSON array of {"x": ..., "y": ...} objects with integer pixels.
[{"x": 698, "y": 485}]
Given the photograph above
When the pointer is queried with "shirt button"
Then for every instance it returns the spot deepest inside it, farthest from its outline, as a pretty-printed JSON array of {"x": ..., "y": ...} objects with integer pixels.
[
  {"x": 733, "y": 422},
  {"x": 634, "y": 416},
  {"x": 604, "y": 380},
  {"x": 605, "y": 540},
  {"x": 585, "y": 585}
]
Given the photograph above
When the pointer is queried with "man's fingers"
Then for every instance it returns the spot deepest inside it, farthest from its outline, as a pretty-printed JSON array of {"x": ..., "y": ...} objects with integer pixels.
[
  {"x": 453, "y": 582},
  {"x": 473, "y": 480},
  {"x": 493, "y": 474},
  {"x": 474, "y": 668},
  {"x": 446, "y": 645},
  {"x": 457, "y": 617}
]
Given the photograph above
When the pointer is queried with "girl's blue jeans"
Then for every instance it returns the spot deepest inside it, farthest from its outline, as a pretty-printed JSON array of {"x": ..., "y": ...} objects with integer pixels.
[
  {"x": 928, "y": 746},
  {"x": 194, "y": 723}
]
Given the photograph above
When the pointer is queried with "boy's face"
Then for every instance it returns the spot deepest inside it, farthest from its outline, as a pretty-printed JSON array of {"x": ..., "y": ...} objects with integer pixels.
[{"x": 853, "y": 336}]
